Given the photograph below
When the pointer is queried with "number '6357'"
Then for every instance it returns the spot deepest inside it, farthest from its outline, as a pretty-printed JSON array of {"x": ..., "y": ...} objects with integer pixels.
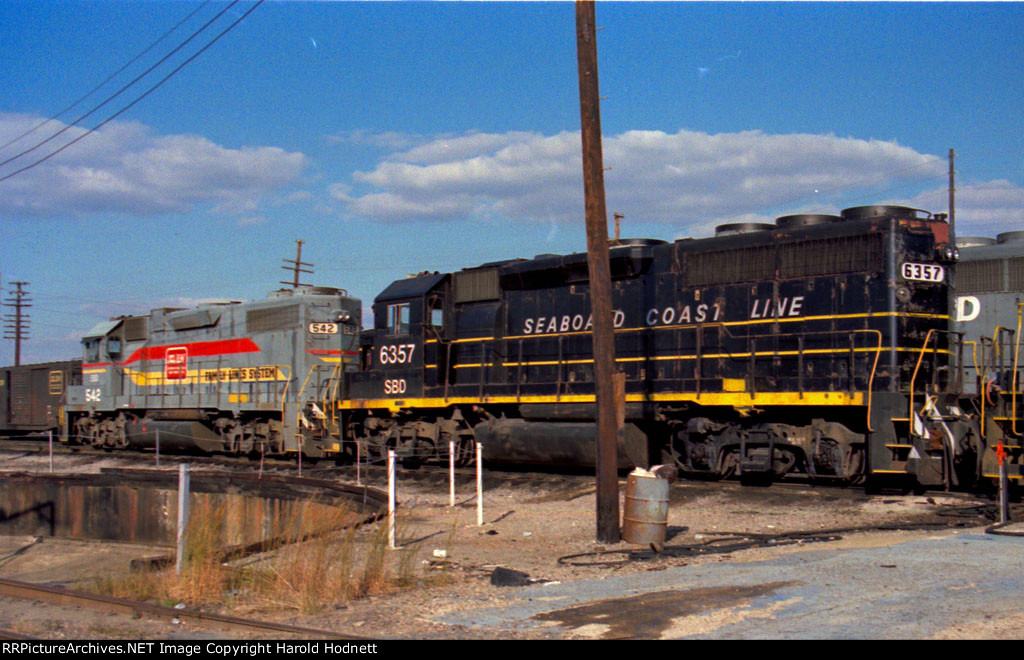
[{"x": 396, "y": 353}]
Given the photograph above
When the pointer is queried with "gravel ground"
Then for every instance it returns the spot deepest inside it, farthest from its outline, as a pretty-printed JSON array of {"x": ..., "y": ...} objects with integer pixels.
[{"x": 526, "y": 529}]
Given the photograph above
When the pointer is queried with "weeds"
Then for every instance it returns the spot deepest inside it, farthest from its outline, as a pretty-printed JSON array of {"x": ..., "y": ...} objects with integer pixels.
[{"x": 322, "y": 558}]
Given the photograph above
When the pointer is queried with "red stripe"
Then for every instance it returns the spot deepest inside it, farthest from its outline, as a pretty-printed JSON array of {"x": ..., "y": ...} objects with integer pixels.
[{"x": 196, "y": 349}]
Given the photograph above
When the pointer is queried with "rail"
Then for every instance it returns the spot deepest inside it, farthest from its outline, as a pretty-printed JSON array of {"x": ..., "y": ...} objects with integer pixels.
[{"x": 62, "y": 596}]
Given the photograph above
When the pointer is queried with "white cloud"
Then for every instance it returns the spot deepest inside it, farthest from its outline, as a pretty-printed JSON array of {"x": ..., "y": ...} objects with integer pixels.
[
  {"x": 688, "y": 178},
  {"x": 125, "y": 168},
  {"x": 983, "y": 208}
]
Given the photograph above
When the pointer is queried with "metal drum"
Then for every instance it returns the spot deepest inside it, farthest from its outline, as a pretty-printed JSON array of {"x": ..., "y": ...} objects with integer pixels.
[{"x": 645, "y": 515}]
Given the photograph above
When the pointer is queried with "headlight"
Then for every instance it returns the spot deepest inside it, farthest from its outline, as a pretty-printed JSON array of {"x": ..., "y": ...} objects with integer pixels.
[{"x": 947, "y": 253}]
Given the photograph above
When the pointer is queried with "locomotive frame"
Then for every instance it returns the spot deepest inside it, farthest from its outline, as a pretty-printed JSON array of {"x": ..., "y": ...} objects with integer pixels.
[{"x": 800, "y": 348}]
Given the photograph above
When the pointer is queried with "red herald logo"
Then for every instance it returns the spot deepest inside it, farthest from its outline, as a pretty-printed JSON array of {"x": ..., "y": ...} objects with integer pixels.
[{"x": 176, "y": 363}]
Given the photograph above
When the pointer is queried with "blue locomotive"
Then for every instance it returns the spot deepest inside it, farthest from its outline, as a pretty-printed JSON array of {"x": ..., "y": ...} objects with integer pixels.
[{"x": 818, "y": 345}]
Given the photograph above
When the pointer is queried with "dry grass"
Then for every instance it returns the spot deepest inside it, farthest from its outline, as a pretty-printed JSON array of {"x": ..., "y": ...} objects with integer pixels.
[{"x": 325, "y": 559}]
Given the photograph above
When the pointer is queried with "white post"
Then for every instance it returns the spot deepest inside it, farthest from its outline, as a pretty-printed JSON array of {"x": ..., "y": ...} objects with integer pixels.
[
  {"x": 479, "y": 485},
  {"x": 451, "y": 473},
  {"x": 183, "y": 493},
  {"x": 50, "y": 434},
  {"x": 358, "y": 459},
  {"x": 391, "y": 499}
]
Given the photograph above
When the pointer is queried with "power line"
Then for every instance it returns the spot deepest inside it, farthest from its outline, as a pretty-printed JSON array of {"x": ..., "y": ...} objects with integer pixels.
[
  {"x": 144, "y": 95},
  {"x": 106, "y": 80},
  {"x": 123, "y": 88}
]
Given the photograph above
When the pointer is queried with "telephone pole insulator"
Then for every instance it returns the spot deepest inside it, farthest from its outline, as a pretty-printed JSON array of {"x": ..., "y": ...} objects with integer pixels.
[
  {"x": 16, "y": 325},
  {"x": 297, "y": 267}
]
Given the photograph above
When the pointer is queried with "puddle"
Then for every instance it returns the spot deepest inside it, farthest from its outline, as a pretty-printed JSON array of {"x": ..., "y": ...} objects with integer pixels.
[{"x": 649, "y": 615}]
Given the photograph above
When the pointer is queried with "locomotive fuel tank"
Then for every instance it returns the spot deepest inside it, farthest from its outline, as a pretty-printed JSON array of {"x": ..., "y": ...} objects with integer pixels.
[{"x": 518, "y": 441}]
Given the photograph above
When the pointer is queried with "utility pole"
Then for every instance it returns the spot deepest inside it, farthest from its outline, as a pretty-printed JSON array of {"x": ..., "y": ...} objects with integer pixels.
[
  {"x": 600, "y": 277},
  {"x": 16, "y": 324},
  {"x": 297, "y": 266},
  {"x": 952, "y": 196}
]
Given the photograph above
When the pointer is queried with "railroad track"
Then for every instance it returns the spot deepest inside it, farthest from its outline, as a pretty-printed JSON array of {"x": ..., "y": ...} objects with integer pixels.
[
  {"x": 571, "y": 482},
  {"x": 203, "y": 620},
  {"x": 372, "y": 474}
]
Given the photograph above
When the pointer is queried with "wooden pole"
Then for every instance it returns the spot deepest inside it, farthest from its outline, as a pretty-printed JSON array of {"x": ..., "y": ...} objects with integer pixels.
[{"x": 600, "y": 274}]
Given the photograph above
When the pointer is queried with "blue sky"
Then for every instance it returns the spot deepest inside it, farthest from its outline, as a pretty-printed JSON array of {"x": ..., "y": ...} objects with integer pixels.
[{"x": 400, "y": 137}]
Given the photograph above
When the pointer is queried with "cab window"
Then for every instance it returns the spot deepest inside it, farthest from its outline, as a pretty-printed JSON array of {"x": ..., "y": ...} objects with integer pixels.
[
  {"x": 92, "y": 350},
  {"x": 398, "y": 319}
]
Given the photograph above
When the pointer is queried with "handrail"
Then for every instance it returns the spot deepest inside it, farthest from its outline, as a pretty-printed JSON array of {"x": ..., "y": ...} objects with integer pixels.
[
  {"x": 298, "y": 397},
  {"x": 284, "y": 394},
  {"x": 337, "y": 375},
  {"x": 874, "y": 367},
  {"x": 913, "y": 378},
  {"x": 981, "y": 381},
  {"x": 1016, "y": 354}
]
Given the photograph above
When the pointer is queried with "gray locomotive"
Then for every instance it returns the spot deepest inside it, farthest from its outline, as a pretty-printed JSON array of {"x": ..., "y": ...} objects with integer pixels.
[
  {"x": 260, "y": 376},
  {"x": 990, "y": 295}
]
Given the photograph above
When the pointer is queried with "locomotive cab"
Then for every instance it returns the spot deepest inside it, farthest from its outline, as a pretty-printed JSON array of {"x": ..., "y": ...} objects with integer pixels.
[{"x": 399, "y": 355}]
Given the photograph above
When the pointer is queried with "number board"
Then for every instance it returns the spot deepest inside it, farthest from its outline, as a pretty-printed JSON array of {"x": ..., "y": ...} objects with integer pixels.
[
  {"x": 923, "y": 272},
  {"x": 323, "y": 328}
]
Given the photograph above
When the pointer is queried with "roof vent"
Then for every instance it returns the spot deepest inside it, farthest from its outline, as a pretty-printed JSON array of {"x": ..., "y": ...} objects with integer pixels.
[
  {"x": 806, "y": 220},
  {"x": 742, "y": 228},
  {"x": 867, "y": 212},
  {"x": 974, "y": 241},
  {"x": 635, "y": 242},
  {"x": 1010, "y": 237}
]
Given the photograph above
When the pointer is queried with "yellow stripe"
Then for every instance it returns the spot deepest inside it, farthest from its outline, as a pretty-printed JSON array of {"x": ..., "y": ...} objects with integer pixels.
[
  {"x": 996, "y": 476},
  {"x": 94, "y": 371},
  {"x": 706, "y": 356},
  {"x": 714, "y": 324},
  {"x": 740, "y": 399},
  {"x": 204, "y": 376}
]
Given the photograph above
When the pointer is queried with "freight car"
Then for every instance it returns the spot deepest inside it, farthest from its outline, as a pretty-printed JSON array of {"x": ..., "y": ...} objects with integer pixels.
[
  {"x": 818, "y": 345},
  {"x": 31, "y": 396},
  {"x": 990, "y": 292},
  {"x": 241, "y": 377}
]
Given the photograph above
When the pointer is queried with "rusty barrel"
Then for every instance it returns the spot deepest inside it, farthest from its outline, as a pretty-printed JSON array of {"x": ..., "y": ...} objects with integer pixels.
[{"x": 645, "y": 515}]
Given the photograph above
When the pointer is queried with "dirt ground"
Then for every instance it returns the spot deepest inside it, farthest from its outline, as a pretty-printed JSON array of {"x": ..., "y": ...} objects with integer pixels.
[{"x": 526, "y": 529}]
